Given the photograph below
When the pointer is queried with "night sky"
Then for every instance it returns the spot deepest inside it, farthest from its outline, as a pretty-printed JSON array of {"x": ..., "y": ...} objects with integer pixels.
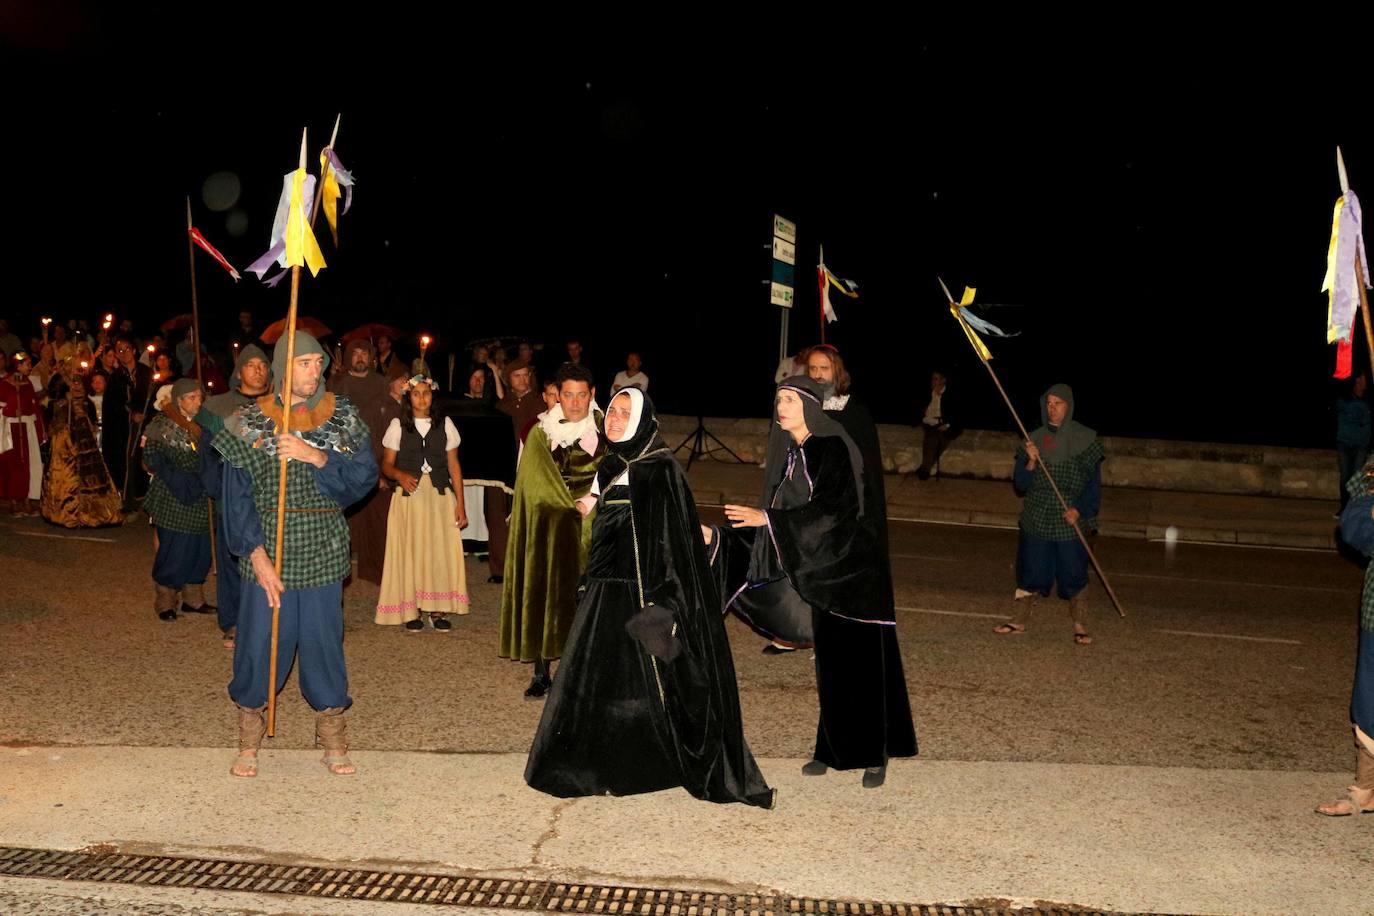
[{"x": 1155, "y": 221}]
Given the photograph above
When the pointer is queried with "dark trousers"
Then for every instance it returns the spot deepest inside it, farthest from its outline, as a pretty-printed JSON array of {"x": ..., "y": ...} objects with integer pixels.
[
  {"x": 1348, "y": 460},
  {"x": 228, "y": 582},
  {"x": 311, "y": 623},
  {"x": 933, "y": 445},
  {"x": 1040, "y": 564},
  {"x": 182, "y": 559},
  {"x": 497, "y": 506}
]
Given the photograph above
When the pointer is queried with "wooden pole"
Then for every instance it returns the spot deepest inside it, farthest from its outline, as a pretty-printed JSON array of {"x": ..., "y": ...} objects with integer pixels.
[
  {"x": 821, "y": 304},
  {"x": 195, "y": 308},
  {"x": 1050, "y": 477},
  {"x": 319, "y": 188},
  {"x": 195, "y": 342},
  {"x": 281, "y": 479}
]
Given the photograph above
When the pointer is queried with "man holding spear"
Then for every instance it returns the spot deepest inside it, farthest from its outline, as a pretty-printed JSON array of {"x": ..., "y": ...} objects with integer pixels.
[
  {"x": 295, "y": 459},
  {"x": 1347, "y": 283},
  {"x": 330, "y": 467},
  {"x": 1059, "y": 471},
  {"x": 1047, "y": 547}
]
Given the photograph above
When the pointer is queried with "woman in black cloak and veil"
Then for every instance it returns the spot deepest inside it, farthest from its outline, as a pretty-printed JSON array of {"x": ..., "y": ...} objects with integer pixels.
[
  {"x": 645, "y": 697},
  {"x": 813, "y": 572}
]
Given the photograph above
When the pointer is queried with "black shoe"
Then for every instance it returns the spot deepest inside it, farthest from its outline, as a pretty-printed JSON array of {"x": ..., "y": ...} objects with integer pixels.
[
  {"x": 874, "y": 776},
  {"x": 814, "y": 768},
  {"x": 440, "y": 622},
  {"x": 496, "y": 579},
  {"x": 922, "y": 474},
  {"x": 169, "y": 614},
  {"x": 203, "y": 609},
  {"x": 538, "y": 687},
  {"x": 774, "y": 649},
  {"x": 417, "y": 624}
]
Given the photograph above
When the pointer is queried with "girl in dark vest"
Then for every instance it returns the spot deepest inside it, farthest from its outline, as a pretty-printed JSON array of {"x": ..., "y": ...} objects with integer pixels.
[{"x": 424, "y": 552}]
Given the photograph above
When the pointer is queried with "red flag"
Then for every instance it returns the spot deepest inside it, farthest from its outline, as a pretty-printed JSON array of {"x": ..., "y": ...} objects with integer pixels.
[{"x": 212, "y": 251}]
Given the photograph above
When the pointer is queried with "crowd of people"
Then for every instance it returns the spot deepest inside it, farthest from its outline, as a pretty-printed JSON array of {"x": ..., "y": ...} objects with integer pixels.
[
  {"x": 582, "y": 514},
  {"x": 584, "y": 517}
]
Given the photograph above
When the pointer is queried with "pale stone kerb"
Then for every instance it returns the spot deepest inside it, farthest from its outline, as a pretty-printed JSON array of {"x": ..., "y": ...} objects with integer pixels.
[{"x": 1148, "y": 464}]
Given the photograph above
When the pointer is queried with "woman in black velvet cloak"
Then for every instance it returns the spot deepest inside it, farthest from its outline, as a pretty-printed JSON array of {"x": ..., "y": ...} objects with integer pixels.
[
  {"x": 817, "y": 549},
  {"x": 645, "y": 697}
]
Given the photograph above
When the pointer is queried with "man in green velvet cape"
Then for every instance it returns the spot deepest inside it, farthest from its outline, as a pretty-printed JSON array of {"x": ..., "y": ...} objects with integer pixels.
[{"x": 550, "y": 527}]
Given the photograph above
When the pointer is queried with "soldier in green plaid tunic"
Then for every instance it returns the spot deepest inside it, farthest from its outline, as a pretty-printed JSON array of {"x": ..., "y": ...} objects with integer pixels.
[
  {"x": 330, "y": 467},
  {"x": 1357, "y": 530},
  {"x": 178, "y": 505},
  {"x": 1048, "y": 550}
]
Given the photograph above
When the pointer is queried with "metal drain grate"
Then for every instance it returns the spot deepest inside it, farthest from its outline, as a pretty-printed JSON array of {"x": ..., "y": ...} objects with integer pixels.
[{"x": 454, "y": 890}]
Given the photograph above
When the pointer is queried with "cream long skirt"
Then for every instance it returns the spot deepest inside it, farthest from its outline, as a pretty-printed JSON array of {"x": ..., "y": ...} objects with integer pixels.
[{"x": 424, "y": 557}]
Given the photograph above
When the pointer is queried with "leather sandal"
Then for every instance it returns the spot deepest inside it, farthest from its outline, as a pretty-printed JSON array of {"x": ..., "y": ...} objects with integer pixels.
[
  {"x": 252, "y": 727},
  {"x": 1351, "y": 804},
  {"x": 331, "y": 733}
]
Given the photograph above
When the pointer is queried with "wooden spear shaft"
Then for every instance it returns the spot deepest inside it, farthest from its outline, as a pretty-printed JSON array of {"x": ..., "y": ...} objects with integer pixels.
[
  {"x": 195, "y": 308},
  {"x": 195, "y": 341},
  {"x": 1364, "y": 310},
  {"x": 1050, "y": 477},
  {"x": 281, "y": 479},
  {"x": 319, "y": 190}
]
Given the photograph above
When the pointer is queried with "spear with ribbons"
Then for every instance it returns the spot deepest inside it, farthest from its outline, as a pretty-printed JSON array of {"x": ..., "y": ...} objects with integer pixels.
[
  {"x": 193, "y": 239},
  {"x": 967, "y": 322},
  {"x": 332, "y": 176},
  {"x": 294, "y": 247},
  {"x": 1347, "y": 276},
  {"x": 825, "y": 279}
]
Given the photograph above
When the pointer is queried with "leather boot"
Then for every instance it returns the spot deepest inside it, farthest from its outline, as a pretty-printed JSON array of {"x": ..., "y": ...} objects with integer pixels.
[
  {"x": 331, "y": 733},
  {"x": 193, "y": 600},
  {"x": 165, "y": 603},
  {"x": 252, "y": 726}
]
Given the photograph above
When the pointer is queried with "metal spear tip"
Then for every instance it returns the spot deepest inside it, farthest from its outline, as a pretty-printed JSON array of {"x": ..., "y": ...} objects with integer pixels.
[
  {"x": 335, "y": 135},
  {"x": 948, "y": 294},
  {"x": 304, "y": 130},
  {"x": 1340, "y": 168}
]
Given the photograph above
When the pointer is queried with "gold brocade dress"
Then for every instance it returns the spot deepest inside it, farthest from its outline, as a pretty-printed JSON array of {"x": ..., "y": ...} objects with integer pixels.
[{"x": 77, "y": 489}]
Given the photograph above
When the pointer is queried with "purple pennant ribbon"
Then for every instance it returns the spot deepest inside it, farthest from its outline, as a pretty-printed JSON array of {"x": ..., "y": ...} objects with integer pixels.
[
  {"x": 277, "y": 252},
  {"x": 1345, "y": 291},
  {"x": 343, "y": 176}
]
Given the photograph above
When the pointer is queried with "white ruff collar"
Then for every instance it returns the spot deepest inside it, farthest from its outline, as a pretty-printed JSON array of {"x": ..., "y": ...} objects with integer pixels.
[{"x": 563, "y": 434}]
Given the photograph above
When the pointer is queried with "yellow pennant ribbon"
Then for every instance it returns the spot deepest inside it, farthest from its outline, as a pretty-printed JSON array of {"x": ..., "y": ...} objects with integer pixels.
[
  {"x": 979, "y": 347},
  {"x": 301, "y": 248},
  {"x": 840, "y": 286},
  {"x": 1329, "y": 282},
  {"x": 331, "y": 197}
]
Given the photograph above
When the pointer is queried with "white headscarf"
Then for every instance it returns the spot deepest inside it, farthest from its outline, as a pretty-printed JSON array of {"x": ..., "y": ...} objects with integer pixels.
[{"x": 636, "y": 410}]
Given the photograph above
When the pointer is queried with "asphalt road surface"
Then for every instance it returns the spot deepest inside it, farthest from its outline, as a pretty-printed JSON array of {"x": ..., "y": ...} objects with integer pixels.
[{"x": 1228, "y": 658}]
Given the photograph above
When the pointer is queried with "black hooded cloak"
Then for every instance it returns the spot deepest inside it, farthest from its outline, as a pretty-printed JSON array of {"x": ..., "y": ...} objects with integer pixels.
[
  {"x": 821, "y": 537},
  {"x": 645, "y": 697}
]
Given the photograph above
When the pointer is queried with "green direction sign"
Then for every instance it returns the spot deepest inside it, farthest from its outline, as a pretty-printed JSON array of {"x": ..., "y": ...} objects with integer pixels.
[{"x": 781, "y": 295}]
